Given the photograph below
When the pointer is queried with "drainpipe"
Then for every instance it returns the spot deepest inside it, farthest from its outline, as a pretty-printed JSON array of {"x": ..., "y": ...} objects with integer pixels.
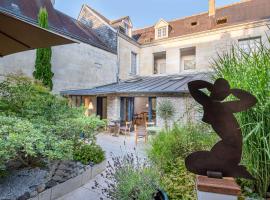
[{"x": 118, "y": 58}]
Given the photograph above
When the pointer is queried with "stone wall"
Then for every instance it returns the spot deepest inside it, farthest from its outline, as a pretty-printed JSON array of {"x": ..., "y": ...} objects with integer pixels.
[
  {"x": 185, "y": 110},
  {"x": 207, "y": 45},
  {"x": 106, "y": 34},
  {"x": 125, "y": 49},
  {"x": 75, "y": 66},
  {"x": 113, "y": 108}
]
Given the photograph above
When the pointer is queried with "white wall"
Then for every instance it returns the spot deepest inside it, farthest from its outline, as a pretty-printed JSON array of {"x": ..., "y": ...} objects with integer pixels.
[
  {"x": 207, "y": 44},
  {"x": 75, "y": 66}
]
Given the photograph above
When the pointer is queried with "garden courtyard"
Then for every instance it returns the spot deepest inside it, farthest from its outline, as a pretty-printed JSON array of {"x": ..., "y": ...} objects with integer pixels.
[{"x": 55, "y": 146}]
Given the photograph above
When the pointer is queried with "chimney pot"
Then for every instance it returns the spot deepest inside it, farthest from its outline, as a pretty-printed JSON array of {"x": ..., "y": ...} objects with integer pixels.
[{"x": 212, "y": 8}]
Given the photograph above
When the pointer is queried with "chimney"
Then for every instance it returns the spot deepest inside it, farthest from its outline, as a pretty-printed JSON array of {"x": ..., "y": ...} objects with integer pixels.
[{"x": 212, "y": 8}]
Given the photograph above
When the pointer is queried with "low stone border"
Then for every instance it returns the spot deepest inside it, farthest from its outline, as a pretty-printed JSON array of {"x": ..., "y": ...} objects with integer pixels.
[{"x": 71, "y": 184}]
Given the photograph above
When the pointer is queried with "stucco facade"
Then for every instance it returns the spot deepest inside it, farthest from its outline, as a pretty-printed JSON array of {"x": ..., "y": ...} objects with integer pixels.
[
  {"x": 208, "y": 45},
  {"x": 75, "y": 66}
]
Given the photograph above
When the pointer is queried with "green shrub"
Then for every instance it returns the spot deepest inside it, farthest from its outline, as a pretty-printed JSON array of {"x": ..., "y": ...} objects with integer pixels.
[
  {"x": 251, "y": 72},
  {"x": 179, "y": 183},
  {"x": 37, "y": 124},
  {"x": 169, "y": 150},
  {"x": 179, "y": 142},
  {"x": 129, "y": 177},
  {"x": 20, "y": 140},
  {"x": 166, "y": 111},
  {"x": 87, "y": 153}
]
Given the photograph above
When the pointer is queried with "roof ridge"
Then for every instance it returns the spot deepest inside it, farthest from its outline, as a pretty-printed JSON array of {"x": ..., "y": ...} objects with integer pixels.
[{"x": 98, "y": 13}]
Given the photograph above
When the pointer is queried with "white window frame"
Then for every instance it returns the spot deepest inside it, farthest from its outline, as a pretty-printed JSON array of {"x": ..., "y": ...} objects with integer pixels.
[
  {"x": 131, "y": 64},
  {"x": 162, "y": 32},
  {"x": 247, "y": 46}
]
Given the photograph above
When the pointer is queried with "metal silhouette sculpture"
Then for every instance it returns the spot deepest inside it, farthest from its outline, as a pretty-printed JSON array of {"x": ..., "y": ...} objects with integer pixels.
[{"x": 224, "y": 158}]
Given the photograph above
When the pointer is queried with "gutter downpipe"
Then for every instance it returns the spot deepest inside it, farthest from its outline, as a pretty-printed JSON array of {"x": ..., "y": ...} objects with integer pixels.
[{"x": 118, "y": 58}]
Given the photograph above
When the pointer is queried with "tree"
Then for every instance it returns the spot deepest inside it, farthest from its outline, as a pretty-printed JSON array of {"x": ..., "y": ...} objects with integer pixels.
[
  {"x": 43, "y": 65},
  {"x": 166, "y": 111}
]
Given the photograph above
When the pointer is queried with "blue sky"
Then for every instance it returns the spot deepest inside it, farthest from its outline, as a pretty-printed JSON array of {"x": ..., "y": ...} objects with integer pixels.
[{"x": 142, "y": 12}]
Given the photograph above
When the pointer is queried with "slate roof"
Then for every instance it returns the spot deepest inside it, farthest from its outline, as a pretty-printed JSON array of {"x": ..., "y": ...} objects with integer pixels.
[
  {"x": 58, "y": 21},
  {"x": 170, "y": 85},
  {"x": 238, "y": 13}
]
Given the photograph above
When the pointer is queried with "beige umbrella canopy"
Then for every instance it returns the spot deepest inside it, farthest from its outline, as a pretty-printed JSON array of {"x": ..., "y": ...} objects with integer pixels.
[{"x": 17, "y": 35}]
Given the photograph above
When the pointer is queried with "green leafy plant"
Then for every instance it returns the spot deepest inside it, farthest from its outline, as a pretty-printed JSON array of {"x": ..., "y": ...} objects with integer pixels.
[
  {"x": 168, "y": 152},
  {"x": 129, "y": 177},
  {"x": 251, "y": 71},
  {"x": 37, "y": 125},
  {"x": 166, "y": 111},
  {"x": 87, "y": 153},
  {"x": 43, "y": 66},
  {"x": 179, "y": 142},
  {"x": 21, "y": 141}
]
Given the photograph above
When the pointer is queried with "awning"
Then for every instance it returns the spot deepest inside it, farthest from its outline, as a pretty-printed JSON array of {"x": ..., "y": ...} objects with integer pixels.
[
  {"x": 144, "y": 85},
  {"x": 17, "y": 35}
]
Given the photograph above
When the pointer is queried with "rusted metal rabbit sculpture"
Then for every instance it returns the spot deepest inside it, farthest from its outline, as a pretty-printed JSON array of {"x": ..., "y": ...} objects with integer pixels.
[{"x": 224, "y": 158}]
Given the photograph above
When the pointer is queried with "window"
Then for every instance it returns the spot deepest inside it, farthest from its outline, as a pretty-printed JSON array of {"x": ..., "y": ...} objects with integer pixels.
[
  {"x": 159, "y": 63},
  {"x": 194, "y": 23},
  {"x": 133, "y": 70},
  {"x": 77, "y": 101},
  {"x": 250, "y": 44},
  {"x": 188, "y": 58},
  {"x": 162, "y": 32},
  {"x": 222, "y": 20}
]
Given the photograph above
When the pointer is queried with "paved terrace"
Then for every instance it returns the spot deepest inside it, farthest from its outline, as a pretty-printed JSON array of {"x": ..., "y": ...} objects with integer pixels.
[{"x": 112, "y": 145}]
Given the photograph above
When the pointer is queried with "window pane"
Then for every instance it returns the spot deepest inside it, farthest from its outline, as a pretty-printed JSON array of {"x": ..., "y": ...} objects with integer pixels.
[
  {"x": 164, "y": 31},
  {"x": 250, "y": 44},
  {"x": 189, "y": 64},
  {"x": 133, "y": 63}
]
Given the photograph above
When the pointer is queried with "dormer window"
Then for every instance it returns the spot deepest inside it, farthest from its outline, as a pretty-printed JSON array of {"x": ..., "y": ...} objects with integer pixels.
[
  {"x": 161, "y": 29},
  {"x": 162, "y": 32}
]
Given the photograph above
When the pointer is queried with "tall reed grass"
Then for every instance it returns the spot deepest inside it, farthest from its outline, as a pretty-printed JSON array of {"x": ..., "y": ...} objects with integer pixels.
[{"x": 251, "y": 71}]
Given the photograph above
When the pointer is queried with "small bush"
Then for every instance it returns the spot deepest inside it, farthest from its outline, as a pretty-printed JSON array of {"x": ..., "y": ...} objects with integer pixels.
[
  {"x": 169, "y": 150},
  {"x": 129, "y": 177},
  {"x": 89, "y": 153},
  {"x": 166, "y": 111},
  {"x": 20, "y": 140},
  {"x": 179, "y": 142}
]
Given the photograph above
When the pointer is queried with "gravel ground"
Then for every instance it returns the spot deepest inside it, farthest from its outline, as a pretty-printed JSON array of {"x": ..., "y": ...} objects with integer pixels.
[{"x": 22, "y": 181}]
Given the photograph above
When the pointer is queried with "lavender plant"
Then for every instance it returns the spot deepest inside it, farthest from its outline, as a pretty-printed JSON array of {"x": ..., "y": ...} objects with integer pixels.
[{"x": 129, "y": 177}]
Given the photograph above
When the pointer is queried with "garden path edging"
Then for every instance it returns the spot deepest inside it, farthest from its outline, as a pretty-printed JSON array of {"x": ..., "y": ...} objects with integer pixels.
[{"x": 71, "y": 184}]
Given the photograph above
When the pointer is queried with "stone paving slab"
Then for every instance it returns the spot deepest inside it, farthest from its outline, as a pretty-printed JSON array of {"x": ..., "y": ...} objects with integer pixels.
[{"x": 111, "y": 145}]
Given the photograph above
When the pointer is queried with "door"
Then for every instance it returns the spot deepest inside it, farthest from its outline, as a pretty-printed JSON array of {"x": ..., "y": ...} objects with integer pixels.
[
  {"x": 127, "y": 109},
  {"x": 102, "y": 107}
]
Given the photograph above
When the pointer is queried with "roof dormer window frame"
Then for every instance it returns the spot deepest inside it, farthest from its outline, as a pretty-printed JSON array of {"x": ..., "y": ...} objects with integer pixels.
[{"x": 161, "y": 29}]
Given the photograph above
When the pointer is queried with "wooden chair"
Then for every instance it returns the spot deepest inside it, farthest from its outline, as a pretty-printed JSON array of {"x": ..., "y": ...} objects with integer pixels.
[
  {"x": 140, "y": 133},
  {"x": 126, "y": 129},
  {"x": 149, "y": 124}
]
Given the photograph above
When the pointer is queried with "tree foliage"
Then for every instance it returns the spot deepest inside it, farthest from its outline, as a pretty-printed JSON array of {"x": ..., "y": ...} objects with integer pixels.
[
  {"x": 43, "y": 71},
  {"x": 34, "y": 124},
  {"x": 166, "y": 111}
]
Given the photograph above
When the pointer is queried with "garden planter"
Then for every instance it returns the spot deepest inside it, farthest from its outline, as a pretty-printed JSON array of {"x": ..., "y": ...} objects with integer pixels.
[{"x": 161, "y": 195}]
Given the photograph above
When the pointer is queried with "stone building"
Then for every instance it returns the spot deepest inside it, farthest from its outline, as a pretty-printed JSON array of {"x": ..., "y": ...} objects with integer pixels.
[
  {"x": 119, "y": 72},
  {"x": 89, "y": 63},
  {"x": 157, "y": 62}
]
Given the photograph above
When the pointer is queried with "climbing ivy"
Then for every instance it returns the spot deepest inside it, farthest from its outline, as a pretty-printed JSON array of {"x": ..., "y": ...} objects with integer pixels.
[{"x": 43, "y": 71}]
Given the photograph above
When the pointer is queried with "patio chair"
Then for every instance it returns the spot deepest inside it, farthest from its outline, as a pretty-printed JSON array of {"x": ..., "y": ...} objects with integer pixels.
[
  {"x": 140, "y": 133},
  {"x": 126, "y": 129},
  {"x": 149, "y": 124}
]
